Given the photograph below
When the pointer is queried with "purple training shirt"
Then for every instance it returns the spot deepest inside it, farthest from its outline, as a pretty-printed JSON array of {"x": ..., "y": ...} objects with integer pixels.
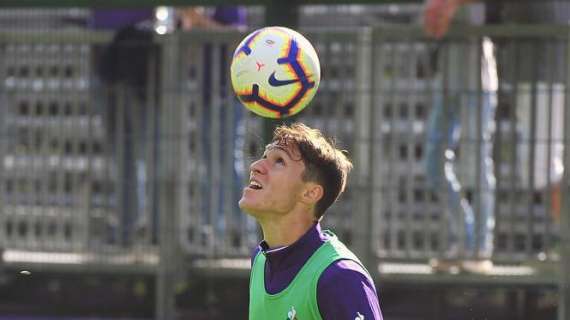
[
  {"x": 344, "y": 290},
  {"x": 119, "y": 18}
]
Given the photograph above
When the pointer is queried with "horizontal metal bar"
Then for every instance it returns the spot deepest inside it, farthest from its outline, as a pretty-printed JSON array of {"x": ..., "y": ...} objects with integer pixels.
[
  {"x": 153, "y": 3},
  {"x": 64, "y": 37},
  {"x": 404, "y": 32},
  {"x": 387, "y": 33},
  {"x": 120, "y": 262}
]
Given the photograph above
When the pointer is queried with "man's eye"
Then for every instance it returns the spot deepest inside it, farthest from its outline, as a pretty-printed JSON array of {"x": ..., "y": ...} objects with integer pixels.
[{"x": 279, "y": 160}]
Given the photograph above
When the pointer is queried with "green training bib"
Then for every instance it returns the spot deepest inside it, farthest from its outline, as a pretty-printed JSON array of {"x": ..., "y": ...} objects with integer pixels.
[{"x": 298, "y": 301}]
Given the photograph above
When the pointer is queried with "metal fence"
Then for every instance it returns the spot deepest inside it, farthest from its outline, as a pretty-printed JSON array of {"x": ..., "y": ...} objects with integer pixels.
[
  {"x": 526, "y": 138},
  {"x": 47, "y": 140},
  {"x": 64, "y": 185}
]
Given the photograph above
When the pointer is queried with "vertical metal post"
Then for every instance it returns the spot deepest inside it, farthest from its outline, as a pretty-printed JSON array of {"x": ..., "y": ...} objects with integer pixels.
[
  {"x": 512, "y": 75},
  {"x": 532, "y": 141},
  {"x": 4, "y": 144},
  {"x": 282, "y": 13},
  {"x": 151, "y": 152},
  {"x": 448, "y": 53},
  {"x": 285, "y": 14},
  {"x": 362, "y": 175},
  {"x": 564, "y": 285},
  {"x": 377, "y": 210},
  {"x": 389, "y": 99},
  {"x": 170, "y": 126},
  {"x": 482, "y": 92}
]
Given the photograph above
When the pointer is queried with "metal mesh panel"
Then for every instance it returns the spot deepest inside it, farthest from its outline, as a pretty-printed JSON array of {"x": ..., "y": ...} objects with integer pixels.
[
  {"x": 61, "y": 178},
  {"x": 221, "y": 138},
  {"x": 413, "y": 217},
  {"x": 333, "y": 111},
  {"x": 530, "y": 169},
  {"x": 212, "y": 224},
  {"x": 48, "y": 134},
  {"x": 408, "y": 223}
]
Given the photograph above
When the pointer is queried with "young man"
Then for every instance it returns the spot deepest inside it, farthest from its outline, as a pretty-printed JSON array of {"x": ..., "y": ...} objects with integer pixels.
[{"x": 300, "y": 271}]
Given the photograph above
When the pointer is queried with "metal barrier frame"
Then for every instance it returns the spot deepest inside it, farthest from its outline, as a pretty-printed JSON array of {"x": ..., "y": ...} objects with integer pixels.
[{"x": 169, "y": 259}]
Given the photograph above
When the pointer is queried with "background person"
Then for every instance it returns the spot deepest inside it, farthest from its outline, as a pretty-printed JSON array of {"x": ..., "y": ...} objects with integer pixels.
[
  {"x": 545, "y": 170},
  {"x": 454, "y": 108},
  {"x": 220, "y": 212},
  {"x": 127, "y": 68}
]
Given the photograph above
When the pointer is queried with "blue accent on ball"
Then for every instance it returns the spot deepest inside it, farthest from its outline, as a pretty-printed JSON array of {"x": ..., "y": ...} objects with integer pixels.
[
  {"x": 246, "y": 48},
  {"x": 291, "y": 59},
  {"x": 274, "y": 82}
]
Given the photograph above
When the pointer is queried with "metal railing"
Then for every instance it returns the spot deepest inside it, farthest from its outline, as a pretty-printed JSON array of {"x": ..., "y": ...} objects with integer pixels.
[
  {"x": 61, "y": 180},
  {"x": 527, "y": 137}
]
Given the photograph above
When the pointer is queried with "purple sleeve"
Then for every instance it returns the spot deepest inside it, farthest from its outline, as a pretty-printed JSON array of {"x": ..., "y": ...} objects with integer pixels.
[
  {"x": 119, "y": 18},
  {"x": 345, "y": 291},
  {"x": 230, "y": 15}
]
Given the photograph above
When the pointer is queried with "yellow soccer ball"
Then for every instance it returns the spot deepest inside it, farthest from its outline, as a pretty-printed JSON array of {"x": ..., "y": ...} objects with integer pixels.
[{"x": 275, "y": 72}]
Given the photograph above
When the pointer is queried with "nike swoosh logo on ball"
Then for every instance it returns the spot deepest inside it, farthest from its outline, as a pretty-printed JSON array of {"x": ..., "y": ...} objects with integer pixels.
[{"x": 274, "y": 82}]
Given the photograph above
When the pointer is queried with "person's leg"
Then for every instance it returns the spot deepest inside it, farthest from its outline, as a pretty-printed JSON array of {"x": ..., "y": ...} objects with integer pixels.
[
  {"x": 133, "y": 117},
  {"x": 138, "y": 114},
  {"x": 487, "y": 180},
  {"x": 461, "y": 209},
  {"x": 206, "y": 150},
  {"x": 125, "y": 159},
  {"x": 105, "y": 100},
  {"x": 442, "y": 130}
]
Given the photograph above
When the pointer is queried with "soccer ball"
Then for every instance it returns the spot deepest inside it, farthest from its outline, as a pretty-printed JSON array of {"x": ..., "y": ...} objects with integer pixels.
[{"x": 275, "y": 72}]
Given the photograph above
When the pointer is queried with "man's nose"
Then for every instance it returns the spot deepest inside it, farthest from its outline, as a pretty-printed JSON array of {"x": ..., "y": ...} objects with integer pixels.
[{"x": 257, "y": 166}]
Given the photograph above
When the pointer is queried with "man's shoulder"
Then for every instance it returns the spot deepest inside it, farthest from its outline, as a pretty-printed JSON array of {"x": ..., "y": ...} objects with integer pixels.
[
  {"x": 346, "y": 290},
  {"x": 344, "y": 270}
]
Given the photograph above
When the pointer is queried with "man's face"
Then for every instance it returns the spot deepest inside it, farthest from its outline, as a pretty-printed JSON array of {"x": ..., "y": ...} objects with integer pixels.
[{"x": 275, "y": 182}]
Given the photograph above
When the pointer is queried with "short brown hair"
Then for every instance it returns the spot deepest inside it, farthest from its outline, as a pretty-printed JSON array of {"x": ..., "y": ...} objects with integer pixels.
[{"x": 324, "y": 163}]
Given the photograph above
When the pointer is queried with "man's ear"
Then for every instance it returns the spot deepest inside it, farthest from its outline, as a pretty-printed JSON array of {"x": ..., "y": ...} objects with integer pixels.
[{"x": 313, "y": 193}]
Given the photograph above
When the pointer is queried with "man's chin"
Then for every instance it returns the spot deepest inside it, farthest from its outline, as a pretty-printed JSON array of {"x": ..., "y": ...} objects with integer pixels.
[
  {"x": 248, "y": 209},
  {"x": 245, "y": 207}
]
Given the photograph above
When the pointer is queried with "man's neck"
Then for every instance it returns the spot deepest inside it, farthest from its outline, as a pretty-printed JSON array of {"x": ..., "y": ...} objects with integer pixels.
[{"x": 284, "y": 232}]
